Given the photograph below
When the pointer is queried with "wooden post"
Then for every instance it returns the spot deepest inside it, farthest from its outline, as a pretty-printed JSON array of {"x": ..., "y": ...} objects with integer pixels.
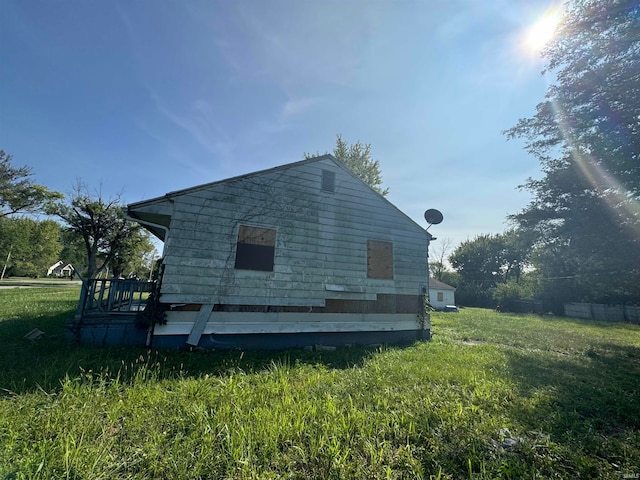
[
  {"x": 4, "y": 269},
  {"x": 199, "y": 324},
  {"x": 83, "y": 299}
]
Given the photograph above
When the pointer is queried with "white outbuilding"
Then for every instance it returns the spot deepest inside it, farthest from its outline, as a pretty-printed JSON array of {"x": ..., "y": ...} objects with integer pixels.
[{"x": 441, "y": 294}]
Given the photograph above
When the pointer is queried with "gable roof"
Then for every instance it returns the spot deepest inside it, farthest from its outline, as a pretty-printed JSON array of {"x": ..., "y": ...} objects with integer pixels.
[
  {"x": 438, "y": 285},
  {"x": 60, "y": 266},
  {"x": 55, "y": 266},
  {"x": 132, "y": 206}
]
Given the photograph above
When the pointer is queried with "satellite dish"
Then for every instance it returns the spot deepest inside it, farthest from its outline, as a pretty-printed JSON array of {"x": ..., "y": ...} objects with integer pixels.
[{"x": 433, "y": 216}]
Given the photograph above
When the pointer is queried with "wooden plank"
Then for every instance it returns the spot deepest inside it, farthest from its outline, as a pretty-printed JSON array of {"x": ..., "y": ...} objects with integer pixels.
[
  {"x": 188, "y": 296},
  {"x": 199, "y": 325},
  {"x": 331, "y": 287},
  {"x": 180, "y": 323}
]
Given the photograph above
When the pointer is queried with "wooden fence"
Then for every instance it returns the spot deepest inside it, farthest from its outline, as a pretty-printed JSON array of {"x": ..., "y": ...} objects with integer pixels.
[{"x": 602, "y": 312}]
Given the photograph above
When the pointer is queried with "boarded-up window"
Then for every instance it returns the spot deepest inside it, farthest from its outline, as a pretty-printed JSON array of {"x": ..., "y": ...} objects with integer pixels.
[
  {"x": 441, "y": 296},
  {"x": 379, "y": 259},
  {"x": 328, "y": 181},
  {"x": 256, "y": 248}
]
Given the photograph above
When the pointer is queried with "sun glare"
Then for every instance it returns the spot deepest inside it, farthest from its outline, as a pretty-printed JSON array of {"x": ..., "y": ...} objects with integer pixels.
[{"x": 540, "y": 33}]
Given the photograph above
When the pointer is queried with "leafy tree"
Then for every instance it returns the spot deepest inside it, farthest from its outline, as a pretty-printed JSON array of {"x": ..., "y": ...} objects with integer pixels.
[
  {"x": 357, "y": 157},
  {"x": 517, "y": 296},
  {"x": 135, "y": 255},
  {"x": 486, "y": 262},
  {"x": 478, "y": 265},
  {"x": 450, "y": 278},
  {"x": 34, "y": 246},
  {"x": 73, "y": 250},
  {"x": 101, "y": 223},
  {"x": 585, "y": 210},
  {"x": 436, "y": 269},
  {"x": 18, "y": 193}
]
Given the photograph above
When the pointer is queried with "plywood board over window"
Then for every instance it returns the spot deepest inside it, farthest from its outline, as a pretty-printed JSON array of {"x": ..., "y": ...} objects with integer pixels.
[
  {"x": 379, "y": 259},
  {"x": 256, "y": 248}
]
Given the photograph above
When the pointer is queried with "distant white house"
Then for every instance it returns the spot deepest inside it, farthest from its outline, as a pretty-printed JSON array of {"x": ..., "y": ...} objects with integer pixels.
[
  {"x": 441, "y": 294},
  {"x": 60, "y": 269}
]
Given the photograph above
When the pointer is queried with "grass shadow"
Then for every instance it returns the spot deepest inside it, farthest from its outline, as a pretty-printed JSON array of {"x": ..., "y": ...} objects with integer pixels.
[
  {"x": 630, "y": 326},
  {"x": 43, "y": 364},
  {"x": 590, "y": 403}
]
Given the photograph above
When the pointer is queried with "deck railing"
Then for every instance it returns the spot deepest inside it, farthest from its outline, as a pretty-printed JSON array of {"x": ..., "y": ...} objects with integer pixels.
[{"x": 113, "y": 296}]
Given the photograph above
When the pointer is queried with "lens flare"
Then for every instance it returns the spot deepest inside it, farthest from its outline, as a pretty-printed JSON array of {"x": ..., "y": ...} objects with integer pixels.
[
  {"x": 540, "y": 33},
  {"x": 619, "y": 200}
]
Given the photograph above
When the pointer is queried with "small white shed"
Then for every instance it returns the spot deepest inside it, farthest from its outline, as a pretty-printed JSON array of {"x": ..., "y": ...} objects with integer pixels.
[
  {"x": 441, "y": 294},
  {"x": 301, "y": 254}
]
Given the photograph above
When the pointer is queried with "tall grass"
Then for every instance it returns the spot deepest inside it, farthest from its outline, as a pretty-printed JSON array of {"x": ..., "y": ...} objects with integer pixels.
[{"x": 492, "y": 396}]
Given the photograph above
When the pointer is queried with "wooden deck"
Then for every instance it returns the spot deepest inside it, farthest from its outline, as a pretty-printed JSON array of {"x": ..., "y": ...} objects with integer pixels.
[
  {"x": 107, "y": 312},
  {"x": 100, "y": 296}
]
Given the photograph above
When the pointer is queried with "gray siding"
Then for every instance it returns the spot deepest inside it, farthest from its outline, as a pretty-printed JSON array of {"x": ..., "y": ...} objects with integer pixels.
[{"x": 321, "y": 240}]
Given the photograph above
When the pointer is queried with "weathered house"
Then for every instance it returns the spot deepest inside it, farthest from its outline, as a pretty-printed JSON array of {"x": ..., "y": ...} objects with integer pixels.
[
  {"x": 297, "y": 255},
  {"x": 441, "y": 294}
]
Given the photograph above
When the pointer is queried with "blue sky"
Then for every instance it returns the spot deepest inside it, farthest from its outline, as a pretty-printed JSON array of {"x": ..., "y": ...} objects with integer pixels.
[{"x": 146, "y": 97}]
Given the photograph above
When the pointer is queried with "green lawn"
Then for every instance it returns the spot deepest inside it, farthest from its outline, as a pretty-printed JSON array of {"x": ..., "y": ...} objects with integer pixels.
[{"x": 491, "y": 396}]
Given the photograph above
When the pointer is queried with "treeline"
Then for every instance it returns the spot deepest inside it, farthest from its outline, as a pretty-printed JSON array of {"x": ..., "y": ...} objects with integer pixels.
[
  {"x": 498, "y": 270},
  {"x": 89, "y": 232},
  {"x": 579, "y": 238},
  {"x": 29, "y": 247}
]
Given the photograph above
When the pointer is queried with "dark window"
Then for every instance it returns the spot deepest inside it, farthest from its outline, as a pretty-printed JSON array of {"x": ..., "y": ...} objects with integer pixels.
[
  {"x": 328, "y": 181},
  {"x": 440, "y": 296},
  {"x": 256, "y": 248},
  {"x": 379, "y": 259}
]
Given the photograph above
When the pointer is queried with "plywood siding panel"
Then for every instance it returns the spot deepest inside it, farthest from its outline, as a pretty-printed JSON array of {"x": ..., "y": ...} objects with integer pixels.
[
  {"x": 379, "y": 259},
  {"x": 188, "y": 297}
]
